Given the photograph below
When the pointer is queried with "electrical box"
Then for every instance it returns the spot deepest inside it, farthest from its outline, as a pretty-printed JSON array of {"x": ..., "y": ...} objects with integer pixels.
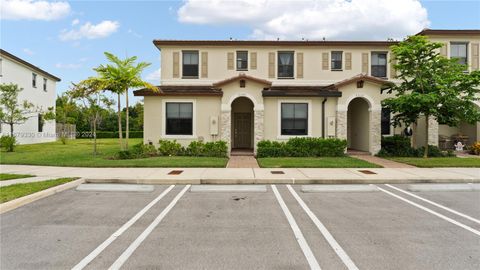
[
  {"x": 213, "y": 125},
  {"x": 331, "y": 126}
]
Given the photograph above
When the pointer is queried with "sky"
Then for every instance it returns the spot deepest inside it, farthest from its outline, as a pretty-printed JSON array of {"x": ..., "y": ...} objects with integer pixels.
[{"x": 68, "y": 38}]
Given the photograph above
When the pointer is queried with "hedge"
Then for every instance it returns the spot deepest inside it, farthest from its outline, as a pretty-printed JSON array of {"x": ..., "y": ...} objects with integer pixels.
[
  {"x": 399, "y": 146},
  {"x": 302, "y": 147},
  {"x": 114, "y": 134}
]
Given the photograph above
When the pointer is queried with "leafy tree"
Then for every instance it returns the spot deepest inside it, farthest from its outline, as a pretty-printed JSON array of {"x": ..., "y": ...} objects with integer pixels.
[
  {"x": 94, "y": 102},
  {"x": 14, "y": 112},
  {"x": 66, "y": 112},
  {"x": 431, "y": 86},
  {"x": 119, "y": 76}
]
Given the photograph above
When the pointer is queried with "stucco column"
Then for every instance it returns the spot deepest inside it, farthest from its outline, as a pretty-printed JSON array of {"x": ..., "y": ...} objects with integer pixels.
[
  {"x": 341, "y": 128},
  {"x": 225, "y": 128},
  {"x": 375, "y": 132},
  {"x": 258, "y": 128},
  {"x": 432, "y": 131}
]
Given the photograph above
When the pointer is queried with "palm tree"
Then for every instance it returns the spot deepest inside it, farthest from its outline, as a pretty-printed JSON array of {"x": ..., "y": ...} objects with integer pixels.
[{"x": 121, "y": 75}]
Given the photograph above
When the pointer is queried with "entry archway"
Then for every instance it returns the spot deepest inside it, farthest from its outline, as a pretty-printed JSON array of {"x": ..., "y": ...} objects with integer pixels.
[
  {"x": 242, "y": 124},
  {"x": 358, "y": 124}
]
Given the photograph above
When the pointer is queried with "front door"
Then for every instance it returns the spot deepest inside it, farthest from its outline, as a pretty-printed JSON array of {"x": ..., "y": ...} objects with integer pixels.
[{"x": 242, "y": 125}]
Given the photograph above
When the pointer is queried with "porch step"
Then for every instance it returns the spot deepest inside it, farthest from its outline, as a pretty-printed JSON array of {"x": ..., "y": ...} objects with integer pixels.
[{"x": 241, "y": 153}]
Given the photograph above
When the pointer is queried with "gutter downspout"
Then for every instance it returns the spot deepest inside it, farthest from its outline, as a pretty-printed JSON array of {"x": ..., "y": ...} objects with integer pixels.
[{"x": 323, "y": 116}]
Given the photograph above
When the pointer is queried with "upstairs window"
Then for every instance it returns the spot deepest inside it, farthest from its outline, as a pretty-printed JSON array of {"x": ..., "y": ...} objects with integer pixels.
[
  {"x": 179, "y": 118},
  {"x": 34, "y": 80},
  {"x": 190, "y": 64},
  {"x": 45, "y": 84},
  {"x": 242, "y": 60},
  {"x": 294, "y": 119},
  {"x": 459, "y": 52},
  {"x": 379, "y": 64},
  {"x": 336, "y": 61},
  {"x": 285, "y": 65}
]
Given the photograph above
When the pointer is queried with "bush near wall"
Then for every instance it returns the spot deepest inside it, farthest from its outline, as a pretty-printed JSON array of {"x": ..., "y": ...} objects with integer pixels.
[
  {"x": 399, "y": 146},
  {"x": 302, "y": 147},
  {"x": 114, "y": 134}
]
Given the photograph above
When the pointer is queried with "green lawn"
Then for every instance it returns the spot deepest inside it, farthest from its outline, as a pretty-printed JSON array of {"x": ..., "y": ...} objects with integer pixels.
[
  {"x": 78, "y": 153},
  {"x": 8, "y": 176},
  {"x": 9, "y": 193},
  {"x": 439, "y": 162},
  {"x": 308, "y": 162}
]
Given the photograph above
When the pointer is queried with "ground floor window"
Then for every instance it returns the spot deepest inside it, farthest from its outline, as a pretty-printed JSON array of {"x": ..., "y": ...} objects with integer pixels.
[
  {"x": 179, "y": 118},
  {"x": 385, "y": 121},
  {"x": 40, "y": 123},
  {"x": 294, "y": 119}
]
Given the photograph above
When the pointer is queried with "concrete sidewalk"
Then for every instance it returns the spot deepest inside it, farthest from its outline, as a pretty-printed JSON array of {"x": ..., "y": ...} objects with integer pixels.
[{"x": 253, "y": 175}]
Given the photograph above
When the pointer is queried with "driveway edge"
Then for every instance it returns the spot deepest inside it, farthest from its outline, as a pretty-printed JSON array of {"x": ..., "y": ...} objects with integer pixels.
[{"x": 13, "y": 204}]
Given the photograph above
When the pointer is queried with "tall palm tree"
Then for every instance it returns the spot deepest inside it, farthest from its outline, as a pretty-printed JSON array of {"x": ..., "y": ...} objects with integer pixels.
[{"x": 121, "y": 75}]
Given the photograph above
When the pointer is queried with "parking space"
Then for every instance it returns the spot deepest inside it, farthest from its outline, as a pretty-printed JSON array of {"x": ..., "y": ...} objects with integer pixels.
[{"x": 245, "y": 227}]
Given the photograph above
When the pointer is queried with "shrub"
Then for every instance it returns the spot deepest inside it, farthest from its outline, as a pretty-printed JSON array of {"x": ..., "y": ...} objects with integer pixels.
[
  {"x": 170, "y": 148},
  {"x": 216, "y": 149},
  {"x": 195, "y": 149},
  {"x": 8, "y": 142},
  {"x": 114, "y": 134},
  {"x": 302, "y": 147},
  {"x": 124, "y": 155},
  {"x": 399, "y": 146},
  {"x": 475, "y": 149},
  {"x": 144, "y": 150}
]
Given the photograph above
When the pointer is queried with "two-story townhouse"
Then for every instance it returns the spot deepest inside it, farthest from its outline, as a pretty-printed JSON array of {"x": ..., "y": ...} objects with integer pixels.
[
  {"x": 246, "y": 91},
  {"x": 39, "y": 88}
]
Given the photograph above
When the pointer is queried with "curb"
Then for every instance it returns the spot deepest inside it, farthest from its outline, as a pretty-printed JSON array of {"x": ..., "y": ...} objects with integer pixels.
[
  {"x": 277, "y": 181},
  {"x": 10, "y": 205}
]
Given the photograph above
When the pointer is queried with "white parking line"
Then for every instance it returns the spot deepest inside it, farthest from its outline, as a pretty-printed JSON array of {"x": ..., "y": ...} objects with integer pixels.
[
  {"x": 312, "y": 261},
  {"x": 120, "y": 231},
  {"x": 133, "y": 246},
  {"x": 436, "y": 204},
  {"x": 326, "y": 234},
  {"x": 470, "y": 229}
]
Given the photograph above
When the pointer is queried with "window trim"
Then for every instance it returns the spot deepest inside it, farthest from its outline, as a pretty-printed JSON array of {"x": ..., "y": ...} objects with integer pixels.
[
  {"x": 341, "y": 61},
  {"x": 164, "y": 119},
  {"x": 198, "y": 64},
  {"x": 34, "y": 79},
  {"x": 386, "y": 64},
  {"x": 278, "y": 65},
  {"x": 279, "y": 118},
  {"x": 236, "y": 60}
]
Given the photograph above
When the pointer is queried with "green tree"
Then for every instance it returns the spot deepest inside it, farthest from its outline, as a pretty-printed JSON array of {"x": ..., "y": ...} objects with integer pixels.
[
  {"x": 66, "y": 112},
  {"x": 431, "y": 86},
  {"x": 119, "y": 76},
  {"x": 94, "y": 103}
]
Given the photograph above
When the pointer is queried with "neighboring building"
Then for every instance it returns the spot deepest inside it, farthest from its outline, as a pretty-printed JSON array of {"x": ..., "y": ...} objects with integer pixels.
[
  {"x": 39, "y": 88},
  {"x": 246, "y": 91}
]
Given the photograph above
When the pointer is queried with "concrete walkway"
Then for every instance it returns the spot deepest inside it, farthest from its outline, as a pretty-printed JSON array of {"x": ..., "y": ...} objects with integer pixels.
[
  {"x": 253, "y": 175},
  {"x": 242, "y": 162},
  {"x": 382, "y": 162},
  {"x": 25, "y": 180}
]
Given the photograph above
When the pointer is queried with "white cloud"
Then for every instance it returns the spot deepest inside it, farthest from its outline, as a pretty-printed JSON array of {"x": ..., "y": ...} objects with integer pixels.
[
  {"x": 33, "y": 10},
  {"x": 133, "y": 33},
  {"x": 90, "y": 31},
  {"x": 312, "y": 19},
  {"x": 154, "y": 76},
  {"x": 67, "y": 66},
  {"x": 75, "y": 22},
  {"x": 28, "y": 51}
]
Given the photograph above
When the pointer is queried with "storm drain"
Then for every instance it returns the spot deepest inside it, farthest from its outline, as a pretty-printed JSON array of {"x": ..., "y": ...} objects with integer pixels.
[
  {"x": 367, "y": 172},
  {"x": 277, "y": 172},
  {"x": 175, "y": 172}
]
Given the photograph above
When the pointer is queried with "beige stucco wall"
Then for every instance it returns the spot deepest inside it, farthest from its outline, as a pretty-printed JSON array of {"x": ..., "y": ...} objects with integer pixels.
[
  {"x": 312, "y": 67},
  {"x": 204, "y": 108},
  {"x": 467, "y": 38}
]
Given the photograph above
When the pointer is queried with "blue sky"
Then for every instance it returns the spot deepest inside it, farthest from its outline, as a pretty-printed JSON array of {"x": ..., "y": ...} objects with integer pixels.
[{"x": 69, "y": 39}]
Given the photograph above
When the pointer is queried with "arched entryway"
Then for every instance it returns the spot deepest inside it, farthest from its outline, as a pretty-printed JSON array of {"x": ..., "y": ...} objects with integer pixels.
[
  {"x": 358, "y": 125},
  {"x": 242, "y": 115}
]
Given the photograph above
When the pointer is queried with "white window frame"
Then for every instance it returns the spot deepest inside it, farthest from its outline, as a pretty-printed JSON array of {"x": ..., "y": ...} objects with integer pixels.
[
  {"x": 279, "y": 118},
  {"x": 194, "y": 119}
]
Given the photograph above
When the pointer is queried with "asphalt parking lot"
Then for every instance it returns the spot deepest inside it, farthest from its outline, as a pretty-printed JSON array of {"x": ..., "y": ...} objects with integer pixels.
[{"x": 429, "y": 226}]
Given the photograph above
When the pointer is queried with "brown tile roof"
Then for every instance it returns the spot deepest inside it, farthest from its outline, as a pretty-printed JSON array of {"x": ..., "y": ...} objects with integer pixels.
[
  {"x": 362, "y": 77},
  {"x": 4, "y": 53},
  {"x": 240, "y": 77},
  {"x": 301, "y": 91},
  {"x": 429, "y": 32},
  {"x": 285, "y": 43},
  {"x": 180, "y": 90}
]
